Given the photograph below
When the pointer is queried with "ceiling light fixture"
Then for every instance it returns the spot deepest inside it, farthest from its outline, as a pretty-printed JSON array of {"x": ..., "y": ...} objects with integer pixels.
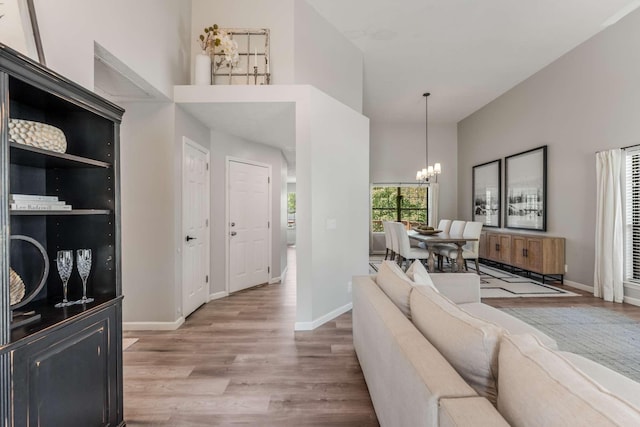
[{"x": 424, "y": 176}]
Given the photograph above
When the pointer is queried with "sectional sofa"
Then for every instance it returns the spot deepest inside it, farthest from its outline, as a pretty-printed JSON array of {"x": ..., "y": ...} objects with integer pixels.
[{"x": 433, "y": 355}]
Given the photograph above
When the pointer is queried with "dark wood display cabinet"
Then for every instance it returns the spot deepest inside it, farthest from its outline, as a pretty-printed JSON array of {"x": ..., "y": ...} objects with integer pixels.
[{"x": 62, "y": 367}]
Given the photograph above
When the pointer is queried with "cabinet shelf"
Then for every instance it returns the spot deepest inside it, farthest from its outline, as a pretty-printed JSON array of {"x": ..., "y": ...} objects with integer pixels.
[
  {"x": 42, "y": 381},
  {"x": 36, "y": 157},
  {"x": 57, "y": 317},
  {"x": 63, "y": 213}
]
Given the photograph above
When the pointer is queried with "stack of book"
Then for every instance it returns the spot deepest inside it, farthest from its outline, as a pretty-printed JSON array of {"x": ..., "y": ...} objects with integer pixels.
[{"x": 28, "y": 202}]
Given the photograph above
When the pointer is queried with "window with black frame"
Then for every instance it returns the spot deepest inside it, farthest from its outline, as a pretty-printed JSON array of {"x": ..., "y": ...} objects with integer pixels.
[
  {"x": 632, "y": 216},
  {"x": 407, "y": 204}
]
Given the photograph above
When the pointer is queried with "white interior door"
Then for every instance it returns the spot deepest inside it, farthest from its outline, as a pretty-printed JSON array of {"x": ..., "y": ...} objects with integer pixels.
[
  {"x": 195, "y": 228},
  {"x": 249, "y": 225}
]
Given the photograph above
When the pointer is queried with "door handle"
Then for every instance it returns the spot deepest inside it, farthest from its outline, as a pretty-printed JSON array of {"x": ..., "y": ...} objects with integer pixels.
[
  {"x": 189, "y": 238},
  {"x": 233, "y": 233},
  {"x": 233, "y": 224}
]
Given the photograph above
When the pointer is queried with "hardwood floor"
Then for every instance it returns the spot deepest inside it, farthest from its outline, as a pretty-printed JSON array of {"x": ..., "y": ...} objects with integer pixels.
[{"x": 237, "y": 361}]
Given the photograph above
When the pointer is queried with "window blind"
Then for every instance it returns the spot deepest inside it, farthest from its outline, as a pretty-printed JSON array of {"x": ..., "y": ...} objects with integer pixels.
[{"x": 632, "y": 215}]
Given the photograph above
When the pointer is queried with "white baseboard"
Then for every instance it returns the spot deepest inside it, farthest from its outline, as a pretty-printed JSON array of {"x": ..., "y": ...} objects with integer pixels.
[
  {"x": 580, "y": 286},
  {"x": 153, "y": 326},
  {"x": 279, "y": 278},
  {"x": 217, "y": 295},
  {"x": 309, "y": 326},
  {"x": 632, "y": 301}
]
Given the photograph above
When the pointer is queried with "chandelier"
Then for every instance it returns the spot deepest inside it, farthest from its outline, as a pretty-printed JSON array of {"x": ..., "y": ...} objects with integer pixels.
[{"x": 430, "y": 171}]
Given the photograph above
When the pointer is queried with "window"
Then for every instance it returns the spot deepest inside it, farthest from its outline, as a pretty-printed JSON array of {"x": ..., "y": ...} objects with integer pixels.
[
  {"x": 406, "y": 203},
  {"x": 632, "y": 215},
  {"x": 291, "y": 210}
]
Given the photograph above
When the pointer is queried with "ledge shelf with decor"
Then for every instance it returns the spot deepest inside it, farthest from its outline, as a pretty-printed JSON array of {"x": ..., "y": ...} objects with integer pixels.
[
  {"x": 59, "y": 366},
  {"x": 524, "y": 253}
]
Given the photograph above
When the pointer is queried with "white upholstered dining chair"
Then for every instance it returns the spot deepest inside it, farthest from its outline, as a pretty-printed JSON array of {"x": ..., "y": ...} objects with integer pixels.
[
  {"x": 472, "y": 230},
  {"x": 444, "y": 225},
  {"x": 405, "y": 250},
  {"x": 387, "y": 240}
]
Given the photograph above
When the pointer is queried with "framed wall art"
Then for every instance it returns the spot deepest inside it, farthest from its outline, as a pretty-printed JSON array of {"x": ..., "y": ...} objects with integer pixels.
[
  {"x": 526, "y": 190},
  {"x": 486, "y": 193}
]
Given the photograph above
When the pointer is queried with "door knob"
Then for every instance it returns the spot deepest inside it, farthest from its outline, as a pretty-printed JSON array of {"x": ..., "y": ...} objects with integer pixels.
[
  {"x": 233, "y": 224},
  {"x": 189, "y": 238},
  {"x": 233, "y": 233}
]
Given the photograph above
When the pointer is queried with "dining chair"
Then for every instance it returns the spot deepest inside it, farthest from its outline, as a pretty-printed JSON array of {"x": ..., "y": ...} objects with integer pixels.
[
  {"x": 472, "y": 230},
  {"x": 387, "y": 240},
  {"x": 394, "y": 239},
  {"x": 444, "y": 225},
  {"x": 456, "y": 228},
  {"x": 406, "y": 252}
]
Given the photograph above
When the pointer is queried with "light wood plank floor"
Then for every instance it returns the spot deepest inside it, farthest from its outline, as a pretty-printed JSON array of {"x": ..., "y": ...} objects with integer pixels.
[{"x": 237, "y": 361}]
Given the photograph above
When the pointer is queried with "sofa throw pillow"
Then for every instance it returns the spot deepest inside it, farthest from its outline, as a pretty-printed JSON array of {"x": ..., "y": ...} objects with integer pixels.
[
  {"x": 469, "y": 344},
  {"x": 538, "y": 386},
  {"x": 419, "y": 275},
  {"x": 396, "y": 285}
]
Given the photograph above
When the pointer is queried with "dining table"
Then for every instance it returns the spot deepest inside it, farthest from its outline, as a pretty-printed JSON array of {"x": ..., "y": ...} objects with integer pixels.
[{"x": 441, "y": 238}]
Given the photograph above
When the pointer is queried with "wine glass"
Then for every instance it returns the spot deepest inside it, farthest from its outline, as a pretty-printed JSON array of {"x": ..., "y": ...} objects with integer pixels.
[
  {"x": 64, "y": 261},
  {"x": 84, "y": 267}
]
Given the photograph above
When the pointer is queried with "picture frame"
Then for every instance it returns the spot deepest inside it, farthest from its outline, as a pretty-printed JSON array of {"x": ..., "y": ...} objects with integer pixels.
[
  {"x": 526, "y": 190},
  {"x": 487, "y": 193},
  {"x": 19, "y": 28}
]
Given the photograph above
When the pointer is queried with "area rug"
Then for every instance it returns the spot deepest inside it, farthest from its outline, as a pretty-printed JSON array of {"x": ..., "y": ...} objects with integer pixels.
[
  {"x": 496, "y": 283},
  {"x": 602, "y": 335}
]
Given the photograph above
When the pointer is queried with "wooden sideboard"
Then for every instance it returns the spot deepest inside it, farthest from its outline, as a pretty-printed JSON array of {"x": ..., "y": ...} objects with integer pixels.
[{"x": 540, "y": 254}]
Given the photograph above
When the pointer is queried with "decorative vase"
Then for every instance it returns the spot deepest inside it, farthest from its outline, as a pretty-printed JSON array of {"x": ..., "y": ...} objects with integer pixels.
[
  {"x": 36, "y": 134},
  {"x": 203, "y": 69}
]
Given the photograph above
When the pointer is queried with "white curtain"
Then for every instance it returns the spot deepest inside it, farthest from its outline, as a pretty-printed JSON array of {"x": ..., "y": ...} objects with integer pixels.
[
  {"x": 608, "y": 272},
  {"x": 434, "y": 196}
]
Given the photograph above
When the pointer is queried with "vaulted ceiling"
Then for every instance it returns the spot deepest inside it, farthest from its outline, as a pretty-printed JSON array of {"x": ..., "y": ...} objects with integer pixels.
[{"x": 465, "y": 52}]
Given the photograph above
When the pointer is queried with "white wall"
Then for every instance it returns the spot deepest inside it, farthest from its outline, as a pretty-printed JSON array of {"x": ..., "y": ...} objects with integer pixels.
[
  {"x": 150, "y": 36},
  {"x": 305, "y": 48},
  {"x": 223, "y": 145},
  {"x": 588, "y": 100},
  {"x": 325, "y": 58},
  {"x": 398, "y": 151},
  {"x": 332, "y": 182},
  {"x": 332, "y": 191},
  {"x": 277, "y": 15},
  {"x": 283, "y": 218},
  {"x": 148, "y": 212}
]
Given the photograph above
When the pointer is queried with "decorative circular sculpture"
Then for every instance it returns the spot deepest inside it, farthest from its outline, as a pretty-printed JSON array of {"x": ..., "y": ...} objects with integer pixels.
[
  {"x": 36, "y": 134},
  {"x": 25, "y": 299},
  {"x": 16, "y": 287}
]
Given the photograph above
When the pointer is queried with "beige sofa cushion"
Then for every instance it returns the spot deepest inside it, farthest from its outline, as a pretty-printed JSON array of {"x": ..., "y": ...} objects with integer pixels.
[
  {"x": 419, "y": 275},
  {"x": 396, "y": 285},
  {"x": 513, "y": 325},
  {"x": 623, "y": 387},
  {"x": 468, "y": 343},
  {"x": 406, "y": 375},
  {"x": 469, "y": 412},
  {"x": 539, "y": 387}
]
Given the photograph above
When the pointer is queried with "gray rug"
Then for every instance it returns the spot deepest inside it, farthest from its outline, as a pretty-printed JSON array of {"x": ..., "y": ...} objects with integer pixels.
[{"x": 604, "y": 336}]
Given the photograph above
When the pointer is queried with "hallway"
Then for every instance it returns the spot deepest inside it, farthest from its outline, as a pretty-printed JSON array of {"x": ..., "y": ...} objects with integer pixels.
[{"x": 237, "y": 361}]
